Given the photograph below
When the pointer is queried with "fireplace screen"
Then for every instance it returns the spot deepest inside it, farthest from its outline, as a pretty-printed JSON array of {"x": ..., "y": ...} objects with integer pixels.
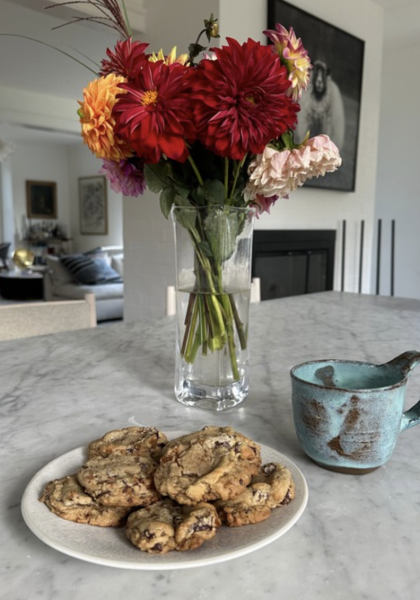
[{"x": 290, "y": 263}]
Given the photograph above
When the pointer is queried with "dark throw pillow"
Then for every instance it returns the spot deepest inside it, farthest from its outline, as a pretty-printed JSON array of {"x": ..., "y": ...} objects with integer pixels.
[{"x": 90, "y": 271}]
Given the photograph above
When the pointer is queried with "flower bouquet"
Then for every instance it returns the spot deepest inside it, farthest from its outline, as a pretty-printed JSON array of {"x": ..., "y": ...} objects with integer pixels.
[{"x": 211, "y": 133}]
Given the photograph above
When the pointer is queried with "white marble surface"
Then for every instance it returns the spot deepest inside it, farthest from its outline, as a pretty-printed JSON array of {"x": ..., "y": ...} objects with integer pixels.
[{"x": 359, "y": 536}]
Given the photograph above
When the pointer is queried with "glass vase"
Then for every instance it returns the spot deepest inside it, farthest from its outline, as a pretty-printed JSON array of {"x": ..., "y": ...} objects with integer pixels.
[{"x": 213, "y": 289}]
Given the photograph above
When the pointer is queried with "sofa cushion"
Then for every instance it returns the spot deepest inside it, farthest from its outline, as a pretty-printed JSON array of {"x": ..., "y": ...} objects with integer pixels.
[
  {"x": 59, "y": 273},
  {"x": 117, "y": 263},
  {"x": 90, "y": 270},
  {"x": 102, "y": 292},
  {"x": 98, "y": 253}
]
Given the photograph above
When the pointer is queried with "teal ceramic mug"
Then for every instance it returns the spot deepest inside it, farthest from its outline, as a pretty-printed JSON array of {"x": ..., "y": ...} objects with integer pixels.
[{"x": 348, "y": 414}]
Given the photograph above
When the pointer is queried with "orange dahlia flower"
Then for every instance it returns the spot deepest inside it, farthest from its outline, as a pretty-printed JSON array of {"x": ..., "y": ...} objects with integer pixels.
[{"x": 95, "y": 112}]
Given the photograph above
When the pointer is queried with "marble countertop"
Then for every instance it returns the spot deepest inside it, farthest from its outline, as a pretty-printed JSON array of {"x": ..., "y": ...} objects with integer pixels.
[{"x": 358, "y": 537}]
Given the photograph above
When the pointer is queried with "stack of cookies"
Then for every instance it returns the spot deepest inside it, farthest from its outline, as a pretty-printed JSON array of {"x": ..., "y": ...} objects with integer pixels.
[{"x": 171, "y": 495}]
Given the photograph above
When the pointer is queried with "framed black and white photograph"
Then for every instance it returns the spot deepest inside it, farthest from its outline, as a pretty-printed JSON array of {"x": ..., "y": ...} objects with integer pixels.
[
  {"x": 41, "y": 200},
  {"x": 331, "y": 103},
  {"x": 93, "y": 206}
]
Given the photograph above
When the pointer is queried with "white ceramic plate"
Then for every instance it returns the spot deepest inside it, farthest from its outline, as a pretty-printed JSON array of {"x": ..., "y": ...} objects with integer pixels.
[{"x": 109, "y": 546}]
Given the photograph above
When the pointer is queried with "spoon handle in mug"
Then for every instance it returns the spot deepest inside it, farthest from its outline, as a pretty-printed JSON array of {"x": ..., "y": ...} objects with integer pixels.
[{"x": 411, "y": 417}]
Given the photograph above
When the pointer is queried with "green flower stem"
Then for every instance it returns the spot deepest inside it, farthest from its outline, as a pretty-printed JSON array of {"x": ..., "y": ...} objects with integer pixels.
[
  {"x": 209, "y": 321},
  {"x": 239, "y": 325},
  {"x": 195, "y": 169},
  {"x": 188, "y": 349},
  {"x": 203, "y": 326},
  {"x": 127, "y": 21},
  {"x": 218, "y": 323},
  {"x": 212, "y": 316},
  {"x": 202, "y": 319},
  {"x": 187, "y": 322},
  {"x": 235, "y": 181},
  {"x": 205, "y": 263},
  {"x": 195, "y": 347},
  {"x": 226, "y": 177},
  {"x": 231, "y": 342}
]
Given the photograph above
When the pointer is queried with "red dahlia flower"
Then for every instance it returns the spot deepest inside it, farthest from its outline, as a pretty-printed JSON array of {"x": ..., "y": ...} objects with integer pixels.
[
  {"x": 240, "y": 101},
  {"x": 127, "y": 60},
  {"x": 155, "y": 112}
]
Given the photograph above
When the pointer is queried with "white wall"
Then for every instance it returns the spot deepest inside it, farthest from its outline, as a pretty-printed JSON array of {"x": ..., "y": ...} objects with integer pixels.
[
  {"x": 397, "y": 191},
  {"x": 307, "y": 208},
  {"x": 63, "y": 165},
  {"x": 25, "y": 66},
  {"x": 39, "y": 162},
  {"x": 82, "y": 163}
]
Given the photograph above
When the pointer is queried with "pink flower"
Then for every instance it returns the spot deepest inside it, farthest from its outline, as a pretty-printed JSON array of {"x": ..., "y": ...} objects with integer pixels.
[
  {"x": 294, "y": 56},
  {"x": 279, "y": 172},
  {"x": 125, "y": 176},
  {"x": 263, "y": 204}
]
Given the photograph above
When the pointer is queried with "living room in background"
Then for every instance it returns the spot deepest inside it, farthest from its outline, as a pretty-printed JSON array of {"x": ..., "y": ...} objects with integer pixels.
[
  {"x": 93, "y": 206},
  {"x": 331, "y": 104},
  {"x": 41, "y": 199}
]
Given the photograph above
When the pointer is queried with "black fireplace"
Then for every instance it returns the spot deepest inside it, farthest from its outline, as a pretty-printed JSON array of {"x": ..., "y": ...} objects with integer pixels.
[{"x": 290, "y": 263}]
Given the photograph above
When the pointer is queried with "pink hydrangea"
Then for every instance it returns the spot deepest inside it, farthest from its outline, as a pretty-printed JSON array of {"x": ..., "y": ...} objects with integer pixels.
[
  {"x": 279, "y": 172},
  {"x": 125, "y": 176}
]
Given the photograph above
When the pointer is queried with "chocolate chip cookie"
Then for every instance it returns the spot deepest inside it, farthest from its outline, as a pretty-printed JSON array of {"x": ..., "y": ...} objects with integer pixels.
[
  {"x": 119, "y": 480},
  {"x": 271, "y": 487},
  {"x": 210, "y": 464},
  {"x": 133, "y": 441},
  {"x": 67, "y": 499},
  {"x": 166, "y": 526}
]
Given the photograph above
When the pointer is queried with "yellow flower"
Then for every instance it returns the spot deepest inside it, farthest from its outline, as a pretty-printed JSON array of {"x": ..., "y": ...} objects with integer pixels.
[
  {"x": 95, "y": 114},
  {"x": 170, "y": 59}
]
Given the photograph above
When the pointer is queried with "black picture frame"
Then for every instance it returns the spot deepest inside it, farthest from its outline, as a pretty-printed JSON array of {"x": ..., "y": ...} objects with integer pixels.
[
  {"x": 41, "y": 199},
  {"x": 343, "y": 54}
]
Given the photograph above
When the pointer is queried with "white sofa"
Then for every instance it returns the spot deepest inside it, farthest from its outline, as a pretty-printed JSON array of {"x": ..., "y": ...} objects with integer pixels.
[{"x": 60, "y": 284}]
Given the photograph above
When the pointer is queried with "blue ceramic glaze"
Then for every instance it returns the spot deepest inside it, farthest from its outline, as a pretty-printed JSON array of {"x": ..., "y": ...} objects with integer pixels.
[{"x": 348, "y": 414}]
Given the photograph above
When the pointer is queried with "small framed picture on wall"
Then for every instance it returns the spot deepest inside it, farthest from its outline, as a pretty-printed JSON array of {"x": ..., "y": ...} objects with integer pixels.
[
  {"x": 41, "y": 200},
  {"x": 93, "y": 206}
]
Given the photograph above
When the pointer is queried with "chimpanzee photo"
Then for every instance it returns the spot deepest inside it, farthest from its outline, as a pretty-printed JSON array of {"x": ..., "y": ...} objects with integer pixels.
[
  {"x": 331, "y": 103},
  {"x": 322, "y": 107}
]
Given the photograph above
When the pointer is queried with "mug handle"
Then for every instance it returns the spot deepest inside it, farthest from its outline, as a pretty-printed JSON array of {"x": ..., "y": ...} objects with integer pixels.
[
  {"x": 411, "y": 417},
  {"x": 406, "y": 362}
]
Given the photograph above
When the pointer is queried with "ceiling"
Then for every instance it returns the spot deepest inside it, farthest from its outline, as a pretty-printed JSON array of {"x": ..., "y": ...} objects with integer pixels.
[
  {"x": 14, "y": 132},
  {"x": 61, "y": 77}
]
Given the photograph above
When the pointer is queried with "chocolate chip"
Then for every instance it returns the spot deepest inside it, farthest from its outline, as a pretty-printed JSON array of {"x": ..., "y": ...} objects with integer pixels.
[
  {"x": 287, "y": 498},
  {"x": 268, "y": 468},
  {"x": 148, "y": 535},
  {"x": 222, "y": 445},
  {"x": 259, "y": 495},
  {"x": 198, "y": 527},
  {"x": 157, "y": 547}
]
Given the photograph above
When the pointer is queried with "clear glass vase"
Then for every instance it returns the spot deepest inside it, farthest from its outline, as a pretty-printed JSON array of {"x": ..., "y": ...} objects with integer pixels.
[{"x": 213, "y": 289}]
